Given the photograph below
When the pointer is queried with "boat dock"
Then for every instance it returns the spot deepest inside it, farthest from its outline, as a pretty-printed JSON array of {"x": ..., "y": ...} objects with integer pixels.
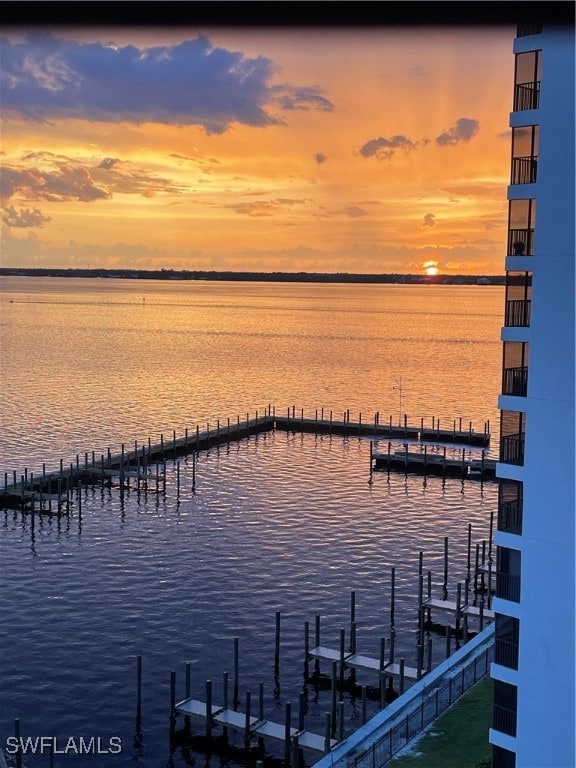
[
  {"x": 426, "y": 462},
  {"x": 144, "y": 465}
]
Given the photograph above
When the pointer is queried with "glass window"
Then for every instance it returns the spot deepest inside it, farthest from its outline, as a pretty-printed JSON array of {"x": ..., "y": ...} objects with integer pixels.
[{"x": 503, "y": 758}]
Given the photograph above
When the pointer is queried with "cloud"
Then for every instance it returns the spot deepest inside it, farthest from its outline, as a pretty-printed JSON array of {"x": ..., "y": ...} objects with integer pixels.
[
  {"x": 429, "y": 220},
  {"x": 493, "y": 190},
  {"x": 264, "y": 207},
  {"x": 383, "y": 149},
  {"x": 59, "y": 179},
  {"x": 193, "y": 83},
  {"x": 68, "y": 182},
  {"x": 462, "y": 130},
  {"x": 25, "y": 217},
  {"x": 320, "y": 158},
  {"x": 108, "y": 162},
  {"x": 305, "y": 99},
  {"x": 355, "y": 210}
]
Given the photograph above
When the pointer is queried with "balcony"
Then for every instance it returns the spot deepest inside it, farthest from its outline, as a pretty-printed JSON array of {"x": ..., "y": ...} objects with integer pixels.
[
  {"x": 510, "y": 516},
  {"x": 508, "y": 586},
  {"x": 506, "y": 653},
  {"x": 523, "y": 30},
  {"x": 524, "y": 170},
  {"x": 521, "y": 242},
  {"x": 515, "y": 381},
  {"x": 504, "y": 720},
  {"x": 526, "y": 96},
  {"x": 512, "y": 448},
  {"x": 517, "y": 313}
]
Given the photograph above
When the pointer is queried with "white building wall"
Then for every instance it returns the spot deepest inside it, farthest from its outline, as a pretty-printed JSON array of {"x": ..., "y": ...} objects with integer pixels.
[{"x": 546, "y": 669}]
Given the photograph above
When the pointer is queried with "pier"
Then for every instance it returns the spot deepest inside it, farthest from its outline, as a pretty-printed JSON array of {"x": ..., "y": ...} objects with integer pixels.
[
  {"x": 144, "y": 465},
  {"x": 427, "y": 462}
]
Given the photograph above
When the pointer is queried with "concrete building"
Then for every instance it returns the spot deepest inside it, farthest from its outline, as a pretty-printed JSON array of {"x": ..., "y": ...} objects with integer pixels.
[{"x": 534, "y": 671}]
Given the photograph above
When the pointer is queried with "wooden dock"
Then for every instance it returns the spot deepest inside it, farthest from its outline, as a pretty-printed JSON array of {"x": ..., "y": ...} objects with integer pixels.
[
  {"x": 49, "y": 492},
  {"x": 426, "y": 462},
  {"x": 254, "y": 727}
]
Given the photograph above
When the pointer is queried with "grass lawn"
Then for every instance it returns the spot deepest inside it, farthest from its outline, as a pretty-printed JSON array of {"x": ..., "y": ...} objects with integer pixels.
[{"x": 458, "y": 739}]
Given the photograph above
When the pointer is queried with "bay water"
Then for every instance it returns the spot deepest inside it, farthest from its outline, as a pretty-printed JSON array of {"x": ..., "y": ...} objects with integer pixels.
[{"x": 279, "y": 522}]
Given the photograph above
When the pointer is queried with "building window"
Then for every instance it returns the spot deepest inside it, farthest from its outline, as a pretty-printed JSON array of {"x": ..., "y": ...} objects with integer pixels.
[
  {"x": 503, "y": 758},
  {"x": 518, "y": 299},
  {"x": 510, "y": 506},
  {"x": 521, "y": 221},
  {"x": 506, "y": 637},
  {"x": 527, "y": 80},
  {"x": 508, "y": 563},
  {"x": 505, "y": 707},
  {"x": 515, "y": 368},
  {"x": 512, "y": 436},
  {"x": 524, "y": 154}
]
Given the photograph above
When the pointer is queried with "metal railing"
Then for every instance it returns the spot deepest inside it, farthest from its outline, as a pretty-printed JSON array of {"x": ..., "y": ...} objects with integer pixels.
[
  {"x": 526, "y": 96},
  {"x": 512, "y": 448},
  {"x": 504, "y": 720},
  {"x": 506, "y": 653},
  {"x": 524, "y": 170},
  {"x": 521, "y": 242},
  {"x": 510, "y": 517},
  {"x": 431, "y": 707},
  {"x": 523, "y": 30},
  {"x": 508, "y": 586},
  {"x": 517, "y": 313},
  {"x": 515, "y": 381}
]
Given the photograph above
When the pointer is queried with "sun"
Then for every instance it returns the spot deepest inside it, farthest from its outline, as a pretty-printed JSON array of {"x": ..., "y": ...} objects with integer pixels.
[{"x": 431, "y": 267}]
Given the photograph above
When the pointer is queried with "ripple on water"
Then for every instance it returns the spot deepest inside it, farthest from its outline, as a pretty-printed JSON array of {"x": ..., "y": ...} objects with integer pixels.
[{"x": 285, "y": 523}]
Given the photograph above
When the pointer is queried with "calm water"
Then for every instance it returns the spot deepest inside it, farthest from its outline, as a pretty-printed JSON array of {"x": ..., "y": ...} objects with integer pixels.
[{"x": 280, "y": 522}]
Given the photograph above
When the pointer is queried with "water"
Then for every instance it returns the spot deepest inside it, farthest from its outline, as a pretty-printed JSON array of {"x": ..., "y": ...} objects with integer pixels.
[{"x": 281, "y": 522}]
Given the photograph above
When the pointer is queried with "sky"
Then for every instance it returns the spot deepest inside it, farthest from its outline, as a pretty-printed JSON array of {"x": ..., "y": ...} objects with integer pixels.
[{"x": 368, "y": 150}]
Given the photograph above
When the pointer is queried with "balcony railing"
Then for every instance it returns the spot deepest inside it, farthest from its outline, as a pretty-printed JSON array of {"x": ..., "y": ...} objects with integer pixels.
[
  {"x": 512, "y": 448},
  {"x": 521, "y": 242},
  {"x": 526, "y": 96},
  {"x": 515, "y": 381},
  {"x": 523, "y": 30},
  {"x": 524, "y": 170},
  {"x": 504, "y": 720},
  {"x": 506, "y": 653},
  {"x": 508, "y": 586},
  {"x": 510, "y": 517},
  {"x": 517, "y": 313}
]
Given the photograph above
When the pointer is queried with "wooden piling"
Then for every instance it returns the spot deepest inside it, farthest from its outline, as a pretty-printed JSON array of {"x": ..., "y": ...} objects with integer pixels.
[
  {"x": 333, "y": 690},
  {"x": 445, "y": 586},
  {"x": 138, "y": 686},
  {"x": 342, "y": 653},
  {"x": 235, "y": 674},
  {"x": 306, "y": 649},
  {"x": 287, "y": 728},
  {"x": 327, "y": 731},
  {"x": 247, "y": 721},
  {"x": 364, "y": 711},
  {"x": 352, "y": 617},
  {"x": 277, "y": 644},
  {"x": 340, "y": 721},
  {"x": 172, "y": 691}
]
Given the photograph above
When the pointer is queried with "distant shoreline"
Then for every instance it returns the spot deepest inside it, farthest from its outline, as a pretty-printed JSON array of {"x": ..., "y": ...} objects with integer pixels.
[{"x": 275, "y": 277}]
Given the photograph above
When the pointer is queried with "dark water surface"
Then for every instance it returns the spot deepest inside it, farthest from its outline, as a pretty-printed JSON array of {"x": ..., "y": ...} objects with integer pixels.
[{"x": 281, "y": 522}]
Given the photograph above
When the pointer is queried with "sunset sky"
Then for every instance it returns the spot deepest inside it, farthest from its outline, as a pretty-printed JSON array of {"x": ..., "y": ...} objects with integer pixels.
[{"x": 264, "y": 149}]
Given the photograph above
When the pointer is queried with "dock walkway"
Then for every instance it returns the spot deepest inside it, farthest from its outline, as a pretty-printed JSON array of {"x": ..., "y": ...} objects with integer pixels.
[{"x": 46, "y": 490}]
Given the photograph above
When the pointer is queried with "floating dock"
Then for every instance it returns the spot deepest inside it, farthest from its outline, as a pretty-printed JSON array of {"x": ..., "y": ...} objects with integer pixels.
[{"x": 430, "y": 463}]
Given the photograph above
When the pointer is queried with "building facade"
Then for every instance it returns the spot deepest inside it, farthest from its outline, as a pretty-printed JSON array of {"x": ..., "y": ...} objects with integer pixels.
[{"x": 534, "y": 671}]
